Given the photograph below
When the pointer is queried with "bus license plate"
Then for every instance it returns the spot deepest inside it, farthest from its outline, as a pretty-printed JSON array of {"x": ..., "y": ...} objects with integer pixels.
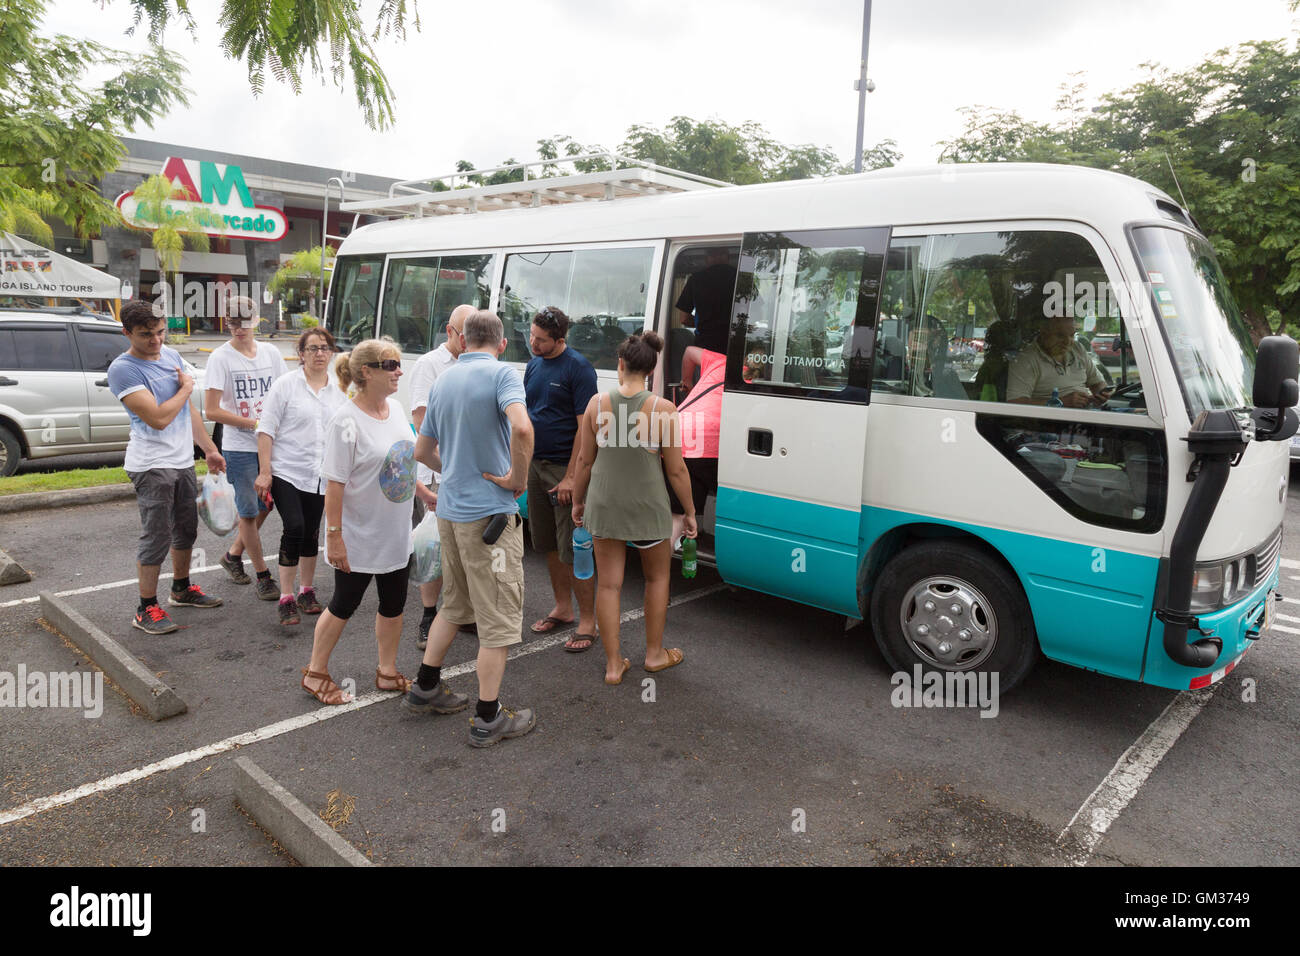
[{"x": 1268, "y": 613}]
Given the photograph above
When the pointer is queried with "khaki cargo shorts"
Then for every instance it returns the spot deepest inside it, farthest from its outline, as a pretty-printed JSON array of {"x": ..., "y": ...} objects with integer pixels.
[
  {"x": 551, "y": 525},
  {"x": 484, "y": 584}
]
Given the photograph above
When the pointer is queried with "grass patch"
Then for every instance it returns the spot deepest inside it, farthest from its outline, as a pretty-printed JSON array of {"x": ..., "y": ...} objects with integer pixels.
[{"x": 72, "y": 478}]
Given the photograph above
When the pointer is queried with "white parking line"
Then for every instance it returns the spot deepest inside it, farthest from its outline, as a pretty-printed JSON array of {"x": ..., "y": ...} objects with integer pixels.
[
  {"x": 1289, "y": 564},
  {"x": 102, "y": 587},
  {"x": 42, "y": 804},
  {"x": 1284, "y": 629},
  {"x": 1287, "y": 617},
  {"x": 1089, "y": 825}
]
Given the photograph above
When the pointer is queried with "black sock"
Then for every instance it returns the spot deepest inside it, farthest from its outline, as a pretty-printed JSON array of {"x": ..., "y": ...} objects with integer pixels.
[
  {"x": 428, "y": 677},
  {"x": 181, "y": 584},
  {"x": 231, "y": 558},
  {"x": 487, "y": 710},
  {"x": 264, "y": 575},
  {"x": 145, "y": 602},
  {"x": 429, "y": 613}
]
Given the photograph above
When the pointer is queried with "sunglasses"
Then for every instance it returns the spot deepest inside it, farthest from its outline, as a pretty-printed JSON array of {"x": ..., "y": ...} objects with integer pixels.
[
  {"x": 388, "y": 365},
  {"x": 319, "y": 348}
]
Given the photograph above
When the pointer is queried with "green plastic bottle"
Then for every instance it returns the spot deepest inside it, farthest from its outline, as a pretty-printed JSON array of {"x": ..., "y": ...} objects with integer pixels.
[{"x": 688, "y": 558}]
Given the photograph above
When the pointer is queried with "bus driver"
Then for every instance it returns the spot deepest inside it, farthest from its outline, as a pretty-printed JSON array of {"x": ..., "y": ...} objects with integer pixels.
[{"x": 1056, "y": 360}]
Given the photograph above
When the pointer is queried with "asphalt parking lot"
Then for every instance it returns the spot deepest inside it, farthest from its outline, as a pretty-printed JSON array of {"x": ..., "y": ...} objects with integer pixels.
[{"x": 775, "y": 742}]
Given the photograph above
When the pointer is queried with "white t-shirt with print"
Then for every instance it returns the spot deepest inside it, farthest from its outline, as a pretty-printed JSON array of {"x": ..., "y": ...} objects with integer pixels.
[
  {"x": 244, "y": 383},
  {"x": 376, "y": 462}
]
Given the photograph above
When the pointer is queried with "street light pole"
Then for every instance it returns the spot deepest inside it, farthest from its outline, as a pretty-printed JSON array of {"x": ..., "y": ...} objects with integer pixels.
[{"x": 861, "y": 85}]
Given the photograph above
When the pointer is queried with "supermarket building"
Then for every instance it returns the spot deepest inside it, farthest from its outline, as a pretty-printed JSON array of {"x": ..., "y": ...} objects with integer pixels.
[{"x": 261, "y": 212}]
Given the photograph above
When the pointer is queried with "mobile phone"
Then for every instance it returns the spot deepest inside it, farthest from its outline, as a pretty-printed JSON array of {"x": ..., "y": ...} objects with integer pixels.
[{"x": 494, "y": 527}]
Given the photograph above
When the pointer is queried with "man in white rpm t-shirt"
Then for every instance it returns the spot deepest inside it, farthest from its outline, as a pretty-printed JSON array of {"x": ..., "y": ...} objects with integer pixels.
[
  {"x": 424, "y": 373},
  {"x": 237, "y": 380}
]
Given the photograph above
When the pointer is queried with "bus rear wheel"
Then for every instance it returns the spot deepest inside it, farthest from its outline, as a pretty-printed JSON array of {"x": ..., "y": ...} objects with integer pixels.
[{"x": 951, "y": 606}]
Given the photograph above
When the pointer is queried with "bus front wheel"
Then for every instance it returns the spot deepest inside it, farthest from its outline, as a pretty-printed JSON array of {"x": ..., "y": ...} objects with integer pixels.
[{"x": 951, "y": 606}]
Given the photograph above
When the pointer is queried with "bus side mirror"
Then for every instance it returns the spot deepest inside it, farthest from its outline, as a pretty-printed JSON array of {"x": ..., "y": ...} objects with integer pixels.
[{"x": 1277, "y": 367}]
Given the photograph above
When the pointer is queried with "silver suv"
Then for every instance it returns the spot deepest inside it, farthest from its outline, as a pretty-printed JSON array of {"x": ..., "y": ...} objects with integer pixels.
[{"x": 54, "y": 396}]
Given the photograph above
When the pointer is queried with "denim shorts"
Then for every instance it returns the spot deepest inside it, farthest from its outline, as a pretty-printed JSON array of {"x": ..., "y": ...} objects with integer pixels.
[{"x": 241, "y": 472}]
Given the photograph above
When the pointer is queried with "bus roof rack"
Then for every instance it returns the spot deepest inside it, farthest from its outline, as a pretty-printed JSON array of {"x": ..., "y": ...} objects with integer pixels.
[{"x": 624, "y": 179}]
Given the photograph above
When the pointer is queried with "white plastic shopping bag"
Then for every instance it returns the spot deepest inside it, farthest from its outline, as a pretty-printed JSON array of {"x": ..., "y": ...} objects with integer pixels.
[
  {"x": 216, "y": 503},
  {"x": 427, "y": 548}
]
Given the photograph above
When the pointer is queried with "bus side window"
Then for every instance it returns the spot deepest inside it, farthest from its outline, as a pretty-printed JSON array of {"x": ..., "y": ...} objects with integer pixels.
[{"x": 998, "y": 317}]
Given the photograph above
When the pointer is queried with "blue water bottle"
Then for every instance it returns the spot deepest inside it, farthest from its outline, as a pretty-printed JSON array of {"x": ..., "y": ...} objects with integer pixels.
[
  {"x": 1055, "y": 400},
  {"x": 584, "y": 564}
]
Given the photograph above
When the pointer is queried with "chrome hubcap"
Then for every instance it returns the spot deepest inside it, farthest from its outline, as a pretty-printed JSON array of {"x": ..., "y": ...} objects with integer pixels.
[{"x": 949, "y": 623}]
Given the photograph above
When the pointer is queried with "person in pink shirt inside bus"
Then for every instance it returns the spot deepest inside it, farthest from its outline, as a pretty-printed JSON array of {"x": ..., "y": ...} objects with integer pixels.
[{"x": 700, "y": 414}]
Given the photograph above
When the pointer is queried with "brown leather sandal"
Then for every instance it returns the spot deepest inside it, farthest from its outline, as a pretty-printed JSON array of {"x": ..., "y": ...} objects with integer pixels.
[
  {"x": 328, "y": 693},
  {"x": 402, "y": 683}
]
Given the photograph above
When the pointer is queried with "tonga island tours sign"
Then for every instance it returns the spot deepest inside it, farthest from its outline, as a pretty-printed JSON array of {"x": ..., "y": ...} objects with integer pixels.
[{"x": 216, "y": 191}]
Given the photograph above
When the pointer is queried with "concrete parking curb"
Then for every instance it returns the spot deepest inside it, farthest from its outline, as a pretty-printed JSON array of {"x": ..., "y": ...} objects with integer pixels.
[
  {"x": 68, "y": 496},
  {"x": 305, "y": 835},
  {"x": 137, "y": 681},
  {"x": 11, "y": 572}
]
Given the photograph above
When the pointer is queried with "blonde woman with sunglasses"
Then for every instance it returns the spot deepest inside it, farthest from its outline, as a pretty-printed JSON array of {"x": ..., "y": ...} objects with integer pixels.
[{"x": 369, "y": 465}]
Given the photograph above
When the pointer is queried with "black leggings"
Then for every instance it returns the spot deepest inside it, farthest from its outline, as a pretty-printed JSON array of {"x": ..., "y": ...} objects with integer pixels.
[
  {"x": 350, "y": 586},
  {"x": 300, "y": 513}
]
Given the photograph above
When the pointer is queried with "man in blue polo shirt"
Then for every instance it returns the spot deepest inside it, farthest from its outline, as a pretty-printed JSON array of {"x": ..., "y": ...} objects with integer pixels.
[
  {"x": 559, "y": 382},
  {"x": 477, "y": 433}
]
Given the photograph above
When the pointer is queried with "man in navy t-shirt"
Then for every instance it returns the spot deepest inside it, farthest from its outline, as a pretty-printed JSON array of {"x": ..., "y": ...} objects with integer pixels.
[{"x": 558, "y": 383}]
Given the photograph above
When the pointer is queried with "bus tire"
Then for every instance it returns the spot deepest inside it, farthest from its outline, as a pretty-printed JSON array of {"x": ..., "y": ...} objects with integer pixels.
[{"x": 913, "y": 618}]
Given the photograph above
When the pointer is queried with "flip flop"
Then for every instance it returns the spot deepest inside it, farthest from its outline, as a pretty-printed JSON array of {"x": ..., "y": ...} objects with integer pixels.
[
  {"x": 627, "y": 666},
  {"x": 675, "y": 657},
  {"x": 589, "y": 638},
  {"x": 548, "y": 624}
]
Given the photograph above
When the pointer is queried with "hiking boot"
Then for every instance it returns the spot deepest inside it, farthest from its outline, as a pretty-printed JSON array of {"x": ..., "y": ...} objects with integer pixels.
[
  {"x": 422, "y": 632},
  {"x": 267, "y": 589},
  {"x": 154, "y": 620},
  {"x": 441, "y": 700},
  {"x": 288, "y": 612},
  {"x": 508, "y": 723},
  {"x": 235, "y": 568},
  {"x": 307, "y": 602},
  {"x": 192, "y": 596}
]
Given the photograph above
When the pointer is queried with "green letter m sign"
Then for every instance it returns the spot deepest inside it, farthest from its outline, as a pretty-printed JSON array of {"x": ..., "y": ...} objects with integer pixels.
[{"x": 210, "y": 183}]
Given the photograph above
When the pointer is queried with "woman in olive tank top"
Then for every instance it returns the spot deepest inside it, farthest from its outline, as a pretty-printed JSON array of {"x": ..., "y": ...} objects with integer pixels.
[{"x": 619, "y": 496}]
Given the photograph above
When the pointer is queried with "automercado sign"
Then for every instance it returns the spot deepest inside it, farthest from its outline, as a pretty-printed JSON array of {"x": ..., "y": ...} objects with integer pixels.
[{"x": 221, "y": 192}]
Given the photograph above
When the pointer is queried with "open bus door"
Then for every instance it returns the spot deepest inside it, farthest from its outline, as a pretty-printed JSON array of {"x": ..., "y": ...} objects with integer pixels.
[{"x": 794, "y": 413}]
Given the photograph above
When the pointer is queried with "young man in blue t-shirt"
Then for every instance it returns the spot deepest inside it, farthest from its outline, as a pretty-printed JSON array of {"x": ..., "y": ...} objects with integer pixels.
[
  {"x": 558, "y": 382},
  {"x": 150, "y": 380}
]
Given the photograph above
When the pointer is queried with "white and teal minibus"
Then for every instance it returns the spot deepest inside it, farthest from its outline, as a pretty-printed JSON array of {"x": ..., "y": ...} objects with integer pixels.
[{"x": 875, "y": 457}]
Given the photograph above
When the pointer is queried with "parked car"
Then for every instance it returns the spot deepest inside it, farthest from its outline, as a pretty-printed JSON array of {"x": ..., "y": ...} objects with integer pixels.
[
  {"x": 1107, "y": 348},
  {"x": 54, "y": 396}
]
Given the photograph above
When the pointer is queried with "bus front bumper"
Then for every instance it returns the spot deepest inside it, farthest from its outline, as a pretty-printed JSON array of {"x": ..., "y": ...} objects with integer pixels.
[{"x": 1239, "y": 626}]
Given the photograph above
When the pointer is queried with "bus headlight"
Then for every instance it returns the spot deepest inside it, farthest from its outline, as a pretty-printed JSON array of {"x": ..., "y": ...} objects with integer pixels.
[{"x": 1217, "y": 584}]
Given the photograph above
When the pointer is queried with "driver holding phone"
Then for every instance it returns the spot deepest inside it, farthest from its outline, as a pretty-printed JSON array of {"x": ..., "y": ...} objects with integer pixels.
[{"x": 1056, "y": 360}]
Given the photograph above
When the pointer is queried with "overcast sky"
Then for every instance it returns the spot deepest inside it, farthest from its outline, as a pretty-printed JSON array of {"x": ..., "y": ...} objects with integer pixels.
[{"x": 484, "y": 80}]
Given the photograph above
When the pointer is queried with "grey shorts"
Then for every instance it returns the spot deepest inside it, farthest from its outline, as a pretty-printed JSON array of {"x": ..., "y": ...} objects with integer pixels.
[{"x": 169, "y": 516}]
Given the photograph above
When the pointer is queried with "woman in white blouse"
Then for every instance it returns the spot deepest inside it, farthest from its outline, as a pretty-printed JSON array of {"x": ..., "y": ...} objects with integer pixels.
[{"x": 290, "y": 447}]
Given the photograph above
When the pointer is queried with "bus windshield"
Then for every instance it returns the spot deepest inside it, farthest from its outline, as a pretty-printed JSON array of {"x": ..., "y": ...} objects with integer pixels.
[
  {"x": 354, "y": 299},
  {"x": 1208, "y": 339}
]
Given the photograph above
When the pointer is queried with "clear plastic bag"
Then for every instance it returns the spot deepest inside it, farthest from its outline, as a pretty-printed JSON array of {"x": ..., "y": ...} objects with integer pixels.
[
  {"x": 426, "y": 547},
  {"x": 216, "y": 504}
]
